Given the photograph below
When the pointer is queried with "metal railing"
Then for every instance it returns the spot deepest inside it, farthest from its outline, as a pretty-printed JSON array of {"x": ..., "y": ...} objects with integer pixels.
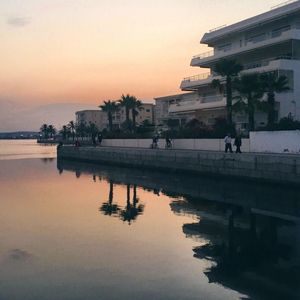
[
  {"x": 265, "y": 62},
  {"x": 247, "y": 42},
  {"x": 283, "y": 4},
  {"x": 205, "y": 54},
  {"x": 197, "y": 77},
  {"x": 217, "y": 28}
]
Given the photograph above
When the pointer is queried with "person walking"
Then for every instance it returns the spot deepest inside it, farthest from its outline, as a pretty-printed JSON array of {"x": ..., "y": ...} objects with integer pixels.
[
  {"x": 168, "y": 143},
  {"x": 227, "y": 141},
  {"x": 238, "y": 144},
  {"x": 99, "y": 138},
  {"x": 154, "y": 142}
]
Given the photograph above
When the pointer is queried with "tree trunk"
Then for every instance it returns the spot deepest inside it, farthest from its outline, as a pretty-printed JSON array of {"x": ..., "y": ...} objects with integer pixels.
[
  {"x": 271, "y": 109},
  {"x": 110, "y": 123},
  {"x": 127, "y": 114},
  {"x": 251, "y": 115},
  {"x": 229, "y": 100},
  {"x": 133, "y": 118}
]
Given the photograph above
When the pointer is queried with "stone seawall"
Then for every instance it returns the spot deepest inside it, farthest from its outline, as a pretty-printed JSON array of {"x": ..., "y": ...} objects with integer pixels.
[{"x": 264, "y": 167}]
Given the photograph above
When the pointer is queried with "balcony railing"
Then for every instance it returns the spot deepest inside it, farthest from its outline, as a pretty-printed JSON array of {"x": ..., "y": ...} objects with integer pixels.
[
  {"x": 205, "y": 54},
  {"x": 197, "y": 77},
  {"x": 201, "y": 103},
  {"x": 249, "y": 42},
  {"x": 265, "y": 62}
]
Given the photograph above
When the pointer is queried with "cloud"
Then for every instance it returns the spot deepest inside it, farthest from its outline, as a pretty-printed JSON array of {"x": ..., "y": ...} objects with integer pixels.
[
  {"x": 18, "y": 21},
  {"x": 18, "y": 254}
]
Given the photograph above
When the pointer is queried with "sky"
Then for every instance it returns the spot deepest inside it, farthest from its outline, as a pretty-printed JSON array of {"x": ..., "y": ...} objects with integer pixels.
[{"x": 88, "y": 51}]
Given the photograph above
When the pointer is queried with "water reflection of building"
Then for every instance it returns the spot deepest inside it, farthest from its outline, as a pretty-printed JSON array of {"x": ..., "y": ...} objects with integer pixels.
[
  {"x": 253, "y": 252},
  {"x": 249, "y": 232}
]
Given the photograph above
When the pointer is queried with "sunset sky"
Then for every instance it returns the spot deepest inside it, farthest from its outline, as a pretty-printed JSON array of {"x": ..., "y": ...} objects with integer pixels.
[{"x": 86, "y": 51}]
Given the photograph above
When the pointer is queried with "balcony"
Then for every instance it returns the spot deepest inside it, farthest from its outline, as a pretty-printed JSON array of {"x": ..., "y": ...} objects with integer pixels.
[
  {"x": 193, "y": 82},
  {"x": 208, "y": 102},
  {"x": 274, "y": 37}
]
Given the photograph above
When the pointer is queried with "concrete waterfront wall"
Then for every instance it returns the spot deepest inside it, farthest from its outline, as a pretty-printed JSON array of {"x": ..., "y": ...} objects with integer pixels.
[
  {"x": 183, "y": 144},
  {"x": 264, "y": 167}
]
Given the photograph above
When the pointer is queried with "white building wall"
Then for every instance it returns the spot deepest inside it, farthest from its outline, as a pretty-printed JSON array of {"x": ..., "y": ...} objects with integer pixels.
[{"x": 275, "y": 141}]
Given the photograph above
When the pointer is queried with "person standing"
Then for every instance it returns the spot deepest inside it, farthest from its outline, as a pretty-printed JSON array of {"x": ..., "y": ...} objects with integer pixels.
[
  {"x": 227, "y": 141},
  {"x": 238, "y": 144}
]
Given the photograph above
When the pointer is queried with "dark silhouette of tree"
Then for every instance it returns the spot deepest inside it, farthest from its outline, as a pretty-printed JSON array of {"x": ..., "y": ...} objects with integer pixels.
[
  {"x": 44, "y": 131},
  {"x": 135, "y": 108},
  {"x": 127, "y": 102},
  {"x": 109, "y": 107},
  {"x": 250, "y": 94},
  {"x": 81, "y": 130},
  {"x": 228, "y": 69},
  {"x": 64, "y": 132},
  {"x": 272, "y": 83},
  {"x": 72, "y": 127},
  {"x": 51, "y": 130}
]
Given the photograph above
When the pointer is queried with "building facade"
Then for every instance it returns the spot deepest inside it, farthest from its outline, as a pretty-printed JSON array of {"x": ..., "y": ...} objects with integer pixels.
[
  {"x": 100, "y": 119},
  {"x": 145, "y": 113},
  {"x": 97, "y": 117},
  {"x": 269, "y": 42}
]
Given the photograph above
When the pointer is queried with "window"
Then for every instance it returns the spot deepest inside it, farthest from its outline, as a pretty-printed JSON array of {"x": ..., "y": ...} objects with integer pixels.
[
  {"x": 225, "y": 47},
  {"x": 278, "y": 31},
  {"x": 147, "y": 110},
  {"x": 257, "y": 38}
]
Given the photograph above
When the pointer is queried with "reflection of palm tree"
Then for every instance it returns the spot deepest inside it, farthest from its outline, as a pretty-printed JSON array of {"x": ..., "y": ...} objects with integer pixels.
[
  {"x": 131, "y": 211},
  {"x": 108, "y": 208}
]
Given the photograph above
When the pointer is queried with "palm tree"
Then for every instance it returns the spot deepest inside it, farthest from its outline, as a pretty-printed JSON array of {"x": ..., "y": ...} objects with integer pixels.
[
  {"x": 127, "y": 102},
  {"x": 93, "y": 130},
  {"x": 272, "y": 83},
  {"x": 81, "y": 129},
  {"x": 44, "y": 130},
  {"x": 51, "y": 130},
  {"x": 64, "y": 132},
  {"x": 135, "y": 108},
  {"x": 72, "y": 127},
  {"x": 228, "y": 69},
  {"x": 109, "y": 107},
  {"x": 250, "y": 94}
]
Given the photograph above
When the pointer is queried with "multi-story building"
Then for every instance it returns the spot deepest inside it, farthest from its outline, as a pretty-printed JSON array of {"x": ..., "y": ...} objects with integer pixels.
[
  {"x": 98, "y": 117},
  {"x": 146, "y": 112},
  {"x": 269, "y": 42}
]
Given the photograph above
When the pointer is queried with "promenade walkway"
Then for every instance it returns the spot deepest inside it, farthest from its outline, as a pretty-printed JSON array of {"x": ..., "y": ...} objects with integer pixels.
[{"x": 281, "y": 168}]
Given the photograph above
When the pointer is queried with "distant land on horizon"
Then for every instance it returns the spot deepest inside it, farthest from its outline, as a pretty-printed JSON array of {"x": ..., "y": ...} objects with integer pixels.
[
  {"x": 19, "y": 135},
  {"x": 16, "y": 116}
]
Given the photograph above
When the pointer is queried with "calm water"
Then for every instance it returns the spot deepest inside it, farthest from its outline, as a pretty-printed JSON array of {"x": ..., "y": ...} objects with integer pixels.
[{"x": 80, "y": 231}]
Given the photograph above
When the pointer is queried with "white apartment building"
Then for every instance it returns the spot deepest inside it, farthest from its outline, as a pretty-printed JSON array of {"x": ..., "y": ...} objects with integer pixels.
[
  {"x": 146, "y": 112},
  {"x": 100, "y": 119},
  {"x": 269, "y": 42}
]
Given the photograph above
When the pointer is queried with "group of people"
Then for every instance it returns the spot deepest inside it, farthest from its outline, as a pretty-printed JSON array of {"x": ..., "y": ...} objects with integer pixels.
[
  {"x": 155, "y": 139},
  {"x": 99, "y": 138},
  {"x": 237, "y": 143},
  {"x": 227, "y": 140}
]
